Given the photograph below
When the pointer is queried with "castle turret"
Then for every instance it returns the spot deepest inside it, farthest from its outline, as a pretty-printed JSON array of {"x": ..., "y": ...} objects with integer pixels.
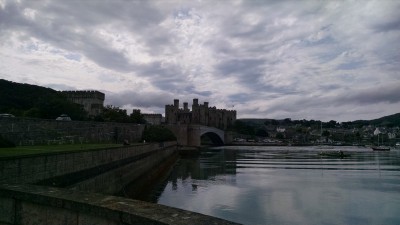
[
  {"x": 185, "y": 106},
  {"x": 176, "y": 103},
  {"x": 195, "y": 102}
]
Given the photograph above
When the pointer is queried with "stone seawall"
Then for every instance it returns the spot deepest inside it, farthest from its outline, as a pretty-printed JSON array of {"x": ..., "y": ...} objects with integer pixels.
[
  {"x": 30, "y": 131},
  {"x": 30, "y": 204},
  {"x": 103, "y": 170},
  {"x": 113, "y": 181},
  {"x": 36, "y": 168}
]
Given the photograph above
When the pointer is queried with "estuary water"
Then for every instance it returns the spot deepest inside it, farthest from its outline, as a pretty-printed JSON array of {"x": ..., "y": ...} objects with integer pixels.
[{"x": 287, "y": 185}]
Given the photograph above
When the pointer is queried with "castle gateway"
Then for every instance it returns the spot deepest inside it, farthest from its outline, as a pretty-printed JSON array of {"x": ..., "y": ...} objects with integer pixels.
[{"x": 200, "y": 114}]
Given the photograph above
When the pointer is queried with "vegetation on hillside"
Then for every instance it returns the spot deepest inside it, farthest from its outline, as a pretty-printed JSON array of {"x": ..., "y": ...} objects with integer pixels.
[
  {"x": 115, "y": 114},
  {"x": 25, "y": 100}
]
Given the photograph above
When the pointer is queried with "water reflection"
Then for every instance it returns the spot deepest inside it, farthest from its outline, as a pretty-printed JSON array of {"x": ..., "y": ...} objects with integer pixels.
[{"x": 287, "y": 185}]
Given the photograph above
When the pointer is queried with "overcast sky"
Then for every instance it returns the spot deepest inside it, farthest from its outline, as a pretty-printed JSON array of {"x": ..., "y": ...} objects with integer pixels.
[{"x": 320, "y": 60}]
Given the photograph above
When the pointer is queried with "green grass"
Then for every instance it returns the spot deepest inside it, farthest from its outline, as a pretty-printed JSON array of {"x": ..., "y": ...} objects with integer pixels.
[{"x": 29, "y": 150}]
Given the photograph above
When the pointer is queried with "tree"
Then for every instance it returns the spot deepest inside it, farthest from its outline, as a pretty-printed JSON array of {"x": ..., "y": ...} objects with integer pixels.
[
  {"x": 287, "y": 121},
  {"x": 274, "y": 122},
  {"x": 35, "y": 101},
  {"x": 261, "y": 133},
  {"x": 114, "y": 114},
  {"x": 331, "y": 124},
  {"x": 325, "y": 133},
  {"x": 243, "y": 128},
  {"x": 280, "y": 136},
  {"x": 137, "y": 117},
  {"x": 158, "y": 134}
]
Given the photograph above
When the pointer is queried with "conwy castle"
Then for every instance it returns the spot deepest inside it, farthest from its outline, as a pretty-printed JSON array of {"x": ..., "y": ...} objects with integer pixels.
[
  {"x": 200, "y": 114},
  {"x": 93, "y": 101}
]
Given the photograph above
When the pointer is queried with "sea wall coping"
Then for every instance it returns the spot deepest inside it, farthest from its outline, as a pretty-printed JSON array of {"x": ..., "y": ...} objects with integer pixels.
[{"x": 75, "y": 205}]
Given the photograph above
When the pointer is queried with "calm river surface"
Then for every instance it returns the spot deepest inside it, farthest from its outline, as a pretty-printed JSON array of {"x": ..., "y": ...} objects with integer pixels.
[{"x": 287, "y": 185}]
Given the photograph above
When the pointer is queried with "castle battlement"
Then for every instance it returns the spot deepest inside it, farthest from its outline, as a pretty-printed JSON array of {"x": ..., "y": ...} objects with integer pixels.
[{"x": 85, "y": 94}]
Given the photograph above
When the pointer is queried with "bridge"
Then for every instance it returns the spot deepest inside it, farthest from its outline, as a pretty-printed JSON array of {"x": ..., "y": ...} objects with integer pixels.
[{"x": 190, "y": 135}]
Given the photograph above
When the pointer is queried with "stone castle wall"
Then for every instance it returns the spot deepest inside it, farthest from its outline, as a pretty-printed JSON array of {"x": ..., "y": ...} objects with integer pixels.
[
  {"x": 154, "y": 119},
  {"x": 29, "y": 131}
]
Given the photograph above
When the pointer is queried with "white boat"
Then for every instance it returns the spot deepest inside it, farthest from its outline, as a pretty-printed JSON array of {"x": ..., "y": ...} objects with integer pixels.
[{"x": 380, "y": 147}]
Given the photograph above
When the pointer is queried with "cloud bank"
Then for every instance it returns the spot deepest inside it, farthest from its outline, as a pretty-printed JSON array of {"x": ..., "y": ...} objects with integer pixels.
[{"x": 266, "y": 59}]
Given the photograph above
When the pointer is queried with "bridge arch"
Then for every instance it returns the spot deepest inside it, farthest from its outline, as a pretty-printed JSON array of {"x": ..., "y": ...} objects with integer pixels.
[
  {"x": 216, "y": 135},
  {"x": 215, "y": 138},
  {"x": 190, "y": 135}
]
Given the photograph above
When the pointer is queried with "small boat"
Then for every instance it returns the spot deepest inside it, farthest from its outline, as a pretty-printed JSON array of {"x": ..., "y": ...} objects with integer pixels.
[
  {"x": 381, "y": 148},
  {"x": 339, "y": 154}
]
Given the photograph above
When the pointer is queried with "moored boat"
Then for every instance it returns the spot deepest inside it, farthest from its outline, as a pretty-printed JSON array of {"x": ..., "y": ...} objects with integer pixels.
[
  {"x": 380, "y": 148},
  {"x": 339, "y": 154}
]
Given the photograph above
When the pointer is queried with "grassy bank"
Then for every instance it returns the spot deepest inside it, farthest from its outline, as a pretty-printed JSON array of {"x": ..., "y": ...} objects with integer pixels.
[{"x": 29, "y": 150}]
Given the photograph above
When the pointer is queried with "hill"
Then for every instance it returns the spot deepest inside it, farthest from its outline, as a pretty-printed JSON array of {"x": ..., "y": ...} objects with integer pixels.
[
  {"x": 387, "y": 121},
  {"x": 34, "y": 101}
]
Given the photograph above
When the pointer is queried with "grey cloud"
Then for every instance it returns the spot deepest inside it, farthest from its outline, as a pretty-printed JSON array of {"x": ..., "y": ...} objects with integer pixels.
[
  {"x": 61, "y": 87},
  {"x": 57, "y": 20},
  {"x": 374, "y": 95},
  {"x": 272, "y": 50},
  {"x": 350, "y": 65},
  {"x": 167, "y": 77},
  {"x": 139, "y": 99},
  {"x": 242, "y": 67}
]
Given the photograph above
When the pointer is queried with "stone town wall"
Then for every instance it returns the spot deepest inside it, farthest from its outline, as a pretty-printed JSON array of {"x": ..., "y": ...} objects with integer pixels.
[{"x": 30, "y": 131}]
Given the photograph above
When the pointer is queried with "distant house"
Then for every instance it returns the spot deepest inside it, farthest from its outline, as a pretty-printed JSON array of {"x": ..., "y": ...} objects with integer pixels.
[
  {"x": 280, "y": 129},
  {"x": 392, "y": 135}
]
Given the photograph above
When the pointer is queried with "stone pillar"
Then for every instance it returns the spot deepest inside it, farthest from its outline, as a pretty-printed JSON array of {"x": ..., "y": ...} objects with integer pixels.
[
  {"x": 193, "y": 136},
  {"x": 228, "y": 136}
]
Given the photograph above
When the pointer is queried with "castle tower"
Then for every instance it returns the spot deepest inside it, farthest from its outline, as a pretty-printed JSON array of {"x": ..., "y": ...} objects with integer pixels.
[
  {"x": 92, "y": 101},
  {"x": 176, "y": 103}
]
